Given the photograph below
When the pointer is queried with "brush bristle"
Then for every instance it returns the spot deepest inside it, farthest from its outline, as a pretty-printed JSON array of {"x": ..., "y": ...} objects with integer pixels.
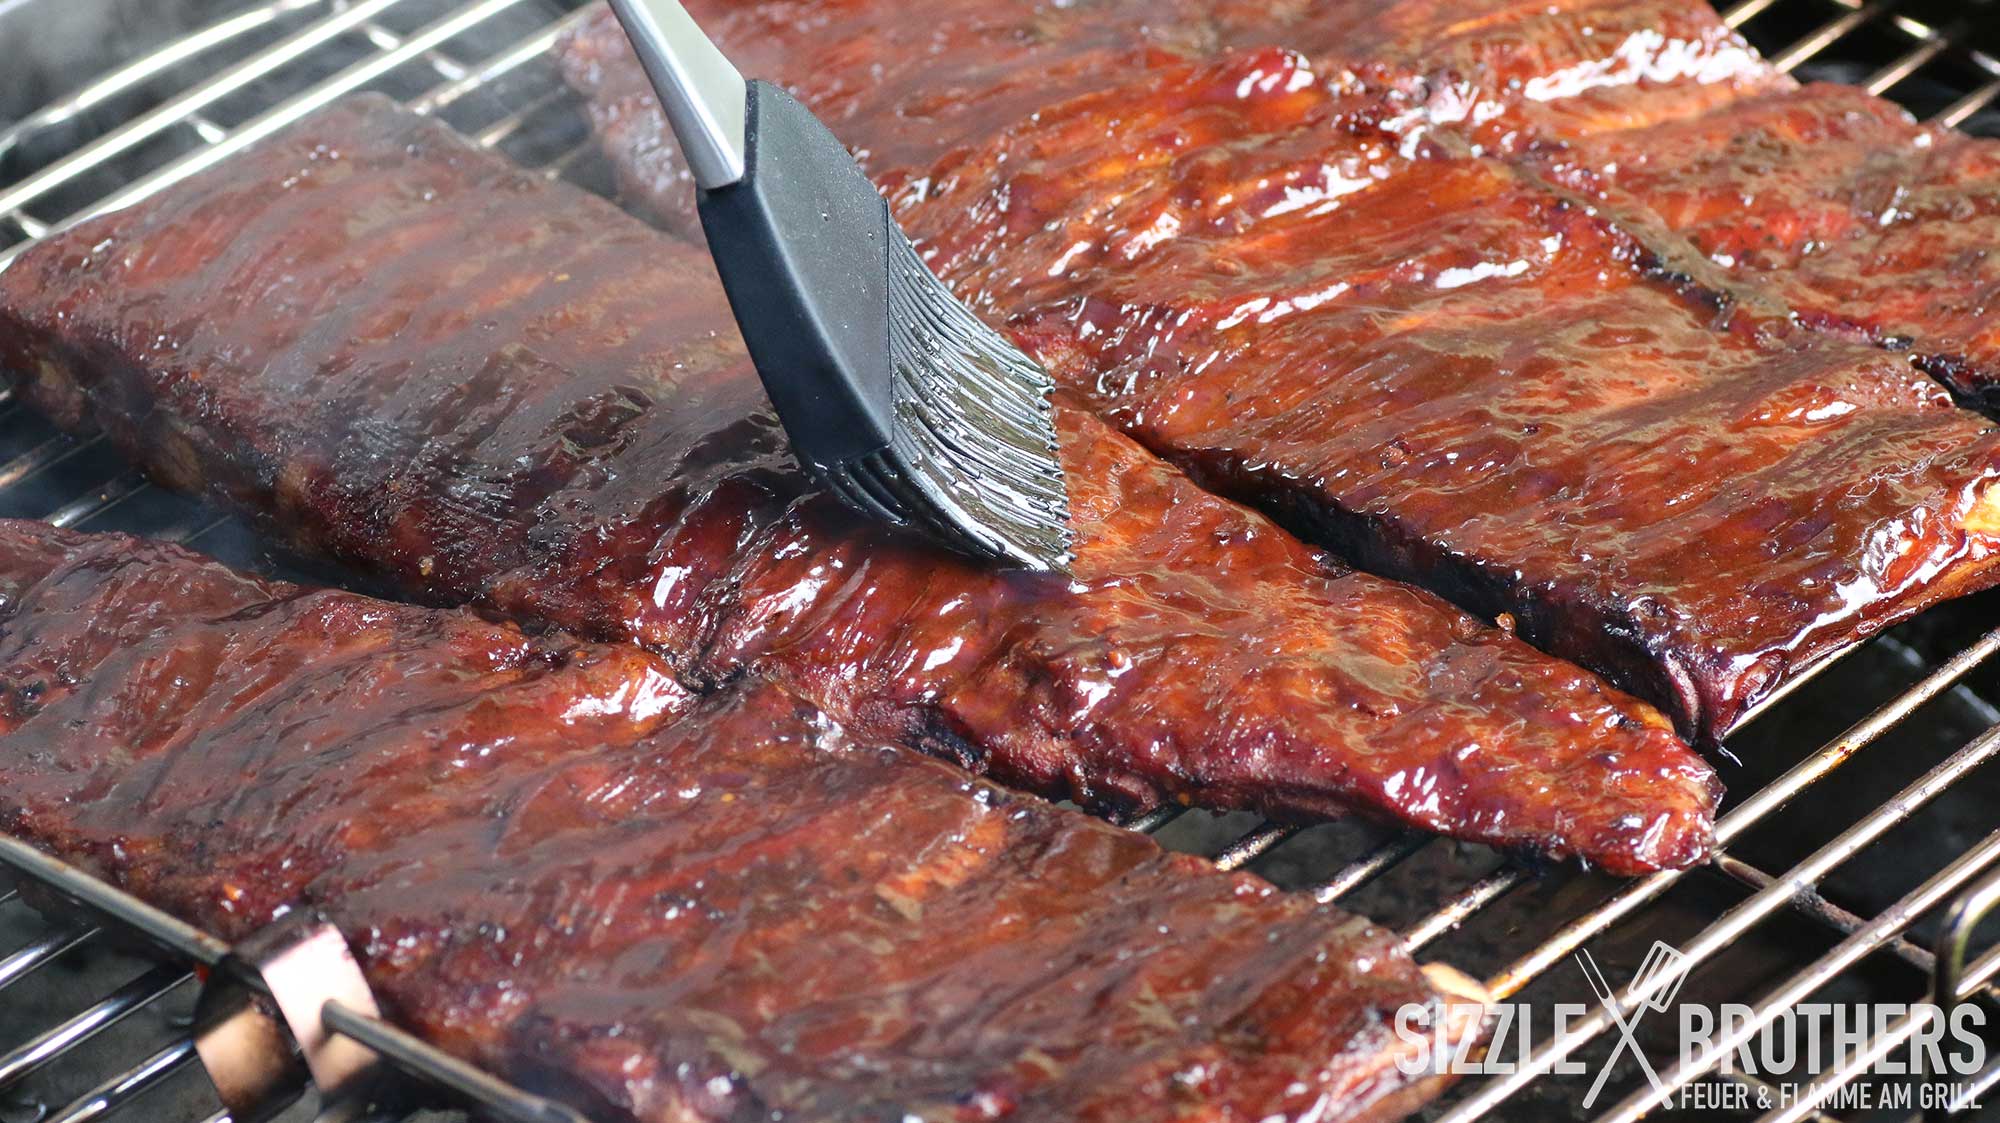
[{"x": 975, "y": 458}]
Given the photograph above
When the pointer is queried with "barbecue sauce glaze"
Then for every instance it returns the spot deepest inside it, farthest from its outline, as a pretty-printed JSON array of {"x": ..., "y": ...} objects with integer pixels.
[
  {"x": 554, "y": 860},
  {"x": 485, "y": 387}
]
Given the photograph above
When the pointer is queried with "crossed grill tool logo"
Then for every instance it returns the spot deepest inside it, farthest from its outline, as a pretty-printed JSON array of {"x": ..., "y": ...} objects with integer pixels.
[{"x": 1654, "y": 985}]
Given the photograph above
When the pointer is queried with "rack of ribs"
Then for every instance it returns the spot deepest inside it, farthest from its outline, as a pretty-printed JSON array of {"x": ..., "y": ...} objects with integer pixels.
[
  {"x": 484, "y": 387},
  {"x": 553, "y": 860},
  {"x": 1857, "y": 218},
  {"x": 1497, "y": 73},
  {"x": 1319, "y": 297}
]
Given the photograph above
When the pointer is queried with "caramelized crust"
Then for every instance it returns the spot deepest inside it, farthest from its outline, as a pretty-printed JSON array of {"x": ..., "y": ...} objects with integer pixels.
[
  {"x": 1860, "y": 220},
  {"x": 1456, "y": 376},
  {"x": 1498, "y": 74},
  {"x": 903, "y": 92},
  {"x": 484, "y": 387},
  {"x": 1316, "y": 295},
  {"x": 554, "y": 861},
  {"x": 918, "y": 86}
]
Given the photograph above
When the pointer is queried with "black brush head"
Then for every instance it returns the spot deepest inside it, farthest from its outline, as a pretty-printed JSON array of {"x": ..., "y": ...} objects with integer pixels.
[{"x": 893, "y": 393}]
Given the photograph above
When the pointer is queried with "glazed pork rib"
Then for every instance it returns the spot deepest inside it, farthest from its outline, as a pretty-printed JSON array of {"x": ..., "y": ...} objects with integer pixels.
[
  {"x": 968, "y": 67},
  {"x": 553, "y": 860},
  {"x": 485, "y": 387},
  {"x": 1456, "y": 376},
  {"x": 1453, "y": 373},
  {"x": 902, "y": 91},
  {"x": 1858, "y": 218}
]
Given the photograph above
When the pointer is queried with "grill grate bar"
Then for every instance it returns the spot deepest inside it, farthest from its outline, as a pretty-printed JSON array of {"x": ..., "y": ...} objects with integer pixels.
[
  {"x": 1951, "y": 981},
  {"x": 50, "y": 1044},
  {"x": 207, "y": 130},
  {"x": 1817, "y": 1091},
  {"x": 387, "y": 40},
  {"x": 560, "y": 166},
  {"x": 1865, "y": 940},
  {"x": 97, "y": 502},
  {"x": 348, "y": 80},
  {"x": 1743, "y": 13},
  {"x": 528, "y": 49},
  {"x": 1155, "y": 819},
  {"x": 1975, "y": 1089},
  {"x": 31, "y": 227},
  {"x": 1371, "y": 865},
  {"x": 1739, "y": 920},
  {"x": 1462, "y": 907},
  {"x": 1810, "y": 903},
  {"x": 194, "y": 529},
  {"x": 39, "y": 954},
  {"x": 179, "y": 938},
  {"x": 43, "y": 456},
  {"x": 180, "y": 108},
  {"x": 245, "y": 976},
  {"x": 1826, "y": 35},
  {"x": 1930, "y": 41},
  {"x": 1913, "y": 60},
  {"x": 1795, "y": 990},
  {"x": 118, "y": 1090},
  {"x": 500, "y": 1100},
  {"x": 1962, "y": 110},
  {"x": 1254, "y": 845},
  {"x": 513, "y": 123},
  {"x": 135, "y": 73},
  {"x": 1764, "y": 802}
]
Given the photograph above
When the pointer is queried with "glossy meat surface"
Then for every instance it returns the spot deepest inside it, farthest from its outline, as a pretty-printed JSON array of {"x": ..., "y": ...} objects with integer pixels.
[
  {"x": 917, "y": 86},
  {"x": 1859, "y": 219},
  {"x": 553, "y": 860},
  {"x": 1451, "y": 372},
  {"x": 903, "y": 92},
  {"x": 485, "y": 387},
  {"x": 1501, "y": 74},
  {"x": 1454, "y": 375}
]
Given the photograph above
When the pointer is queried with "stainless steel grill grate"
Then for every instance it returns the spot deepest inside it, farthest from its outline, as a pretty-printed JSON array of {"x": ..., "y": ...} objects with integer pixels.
[{"x": 1838, "y": 861}]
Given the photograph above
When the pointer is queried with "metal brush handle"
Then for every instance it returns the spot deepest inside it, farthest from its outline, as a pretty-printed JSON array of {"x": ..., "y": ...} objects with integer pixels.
[
  {"x": 892, "y": 393},
  {"x": 701, "y": 90}
]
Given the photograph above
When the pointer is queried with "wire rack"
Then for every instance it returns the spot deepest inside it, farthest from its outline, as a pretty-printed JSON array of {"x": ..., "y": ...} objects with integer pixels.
[{"x": 1859, "y": 867}]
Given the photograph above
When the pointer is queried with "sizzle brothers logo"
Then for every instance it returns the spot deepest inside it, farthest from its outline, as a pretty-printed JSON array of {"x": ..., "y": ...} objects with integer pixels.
[{"x": 1778, "y": 1050}]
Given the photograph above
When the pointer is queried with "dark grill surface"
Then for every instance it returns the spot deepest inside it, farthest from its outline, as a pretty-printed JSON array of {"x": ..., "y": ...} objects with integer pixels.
[{"x": 114, "y": 99}]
